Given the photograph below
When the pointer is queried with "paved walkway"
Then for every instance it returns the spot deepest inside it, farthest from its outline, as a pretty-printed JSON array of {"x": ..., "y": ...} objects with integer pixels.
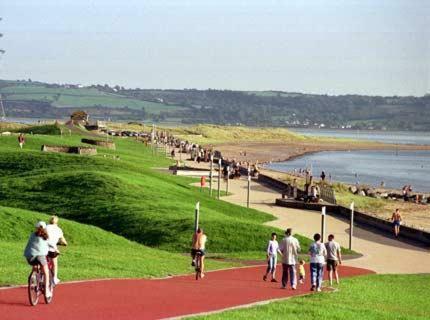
[
  {"x": 380, "y": 253},
  {"x": 152, "y": 299}
]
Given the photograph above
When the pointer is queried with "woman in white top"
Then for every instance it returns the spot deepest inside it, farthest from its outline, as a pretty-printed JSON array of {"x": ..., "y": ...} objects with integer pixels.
[
  {"x": 272, "y": 257},
  {"x": 55, "y": 237},
  {"x": 317, "y": 252}
]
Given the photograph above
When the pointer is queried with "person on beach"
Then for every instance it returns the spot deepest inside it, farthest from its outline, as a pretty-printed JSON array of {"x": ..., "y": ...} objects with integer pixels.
[
  {"x": 272, "y": 258},
  {"x": 396, "y": 218},
  {"x": 317, "y": 252},
  {"x": 334, "y": 258},
  {"x": 199, "y": 246},
  {"x": 322, "y": 176},
  {"x": 302, "y": 272},
  {"x": 289, "y": 248},
  {"x": 21, "y": 140}
]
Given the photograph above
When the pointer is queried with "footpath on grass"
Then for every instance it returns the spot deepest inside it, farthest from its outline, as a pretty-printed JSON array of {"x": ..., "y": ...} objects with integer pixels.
[
  {"x": 154, "y": 299},
  {"x": 380, "y": 253}
]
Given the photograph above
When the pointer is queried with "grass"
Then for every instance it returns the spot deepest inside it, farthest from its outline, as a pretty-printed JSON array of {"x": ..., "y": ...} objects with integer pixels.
[
  {"x": 366, "y": 297},
  {"x": 80, "y": 98},
  {"x": 125, "y": 196},
  {"x": 92, "y": 252}
]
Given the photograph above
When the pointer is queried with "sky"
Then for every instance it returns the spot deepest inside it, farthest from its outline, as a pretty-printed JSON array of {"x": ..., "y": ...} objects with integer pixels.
[{"x": 372, "y": 47}]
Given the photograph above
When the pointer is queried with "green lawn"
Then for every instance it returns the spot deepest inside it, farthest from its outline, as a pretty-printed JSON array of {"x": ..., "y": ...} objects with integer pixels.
[
  {"x": 366, "y": 297},
  {"x": 92, "y": 252},
  {"x": 126, "y": 196}
]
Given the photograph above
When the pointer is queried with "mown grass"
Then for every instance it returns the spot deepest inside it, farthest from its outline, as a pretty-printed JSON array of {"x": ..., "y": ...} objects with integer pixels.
[
  {"x": 92, "y": 252},
  {"x": 125, "y": 196},
  {"x": 366, "y": 297}
]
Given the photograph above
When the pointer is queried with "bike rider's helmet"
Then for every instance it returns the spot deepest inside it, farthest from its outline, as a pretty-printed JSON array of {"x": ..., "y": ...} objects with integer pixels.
[{"x": 40, "y": 224}]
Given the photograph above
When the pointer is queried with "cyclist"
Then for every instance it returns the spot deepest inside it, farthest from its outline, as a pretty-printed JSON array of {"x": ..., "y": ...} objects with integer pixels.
[
  {"x": 36, "y": 251},
  {"x": 55, "y": 237},
  {"x": 198, "y": 246}
]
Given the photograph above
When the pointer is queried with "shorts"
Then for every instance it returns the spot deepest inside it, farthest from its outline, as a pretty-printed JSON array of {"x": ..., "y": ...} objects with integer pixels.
[
  {"x": 332, "y": 264},
  {"x": 37, "y": 260},
  {"x": 195, "y": 251},
  {"x": 53, "y": 254},
  {"x": 396, "y": 223}
]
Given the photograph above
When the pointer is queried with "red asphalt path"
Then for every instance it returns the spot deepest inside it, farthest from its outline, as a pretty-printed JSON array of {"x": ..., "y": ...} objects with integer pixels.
[{"x": 152, "y": 299}]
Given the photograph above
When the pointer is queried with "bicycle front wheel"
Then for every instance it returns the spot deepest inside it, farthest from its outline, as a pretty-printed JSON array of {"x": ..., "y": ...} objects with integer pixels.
[{"x": 33, "y": 288}]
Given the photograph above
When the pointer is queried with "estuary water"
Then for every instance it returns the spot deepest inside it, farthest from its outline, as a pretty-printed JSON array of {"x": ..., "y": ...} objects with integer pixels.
[
  {"x": 394, "y": 168},
  {"x": 399, "y": 137}
]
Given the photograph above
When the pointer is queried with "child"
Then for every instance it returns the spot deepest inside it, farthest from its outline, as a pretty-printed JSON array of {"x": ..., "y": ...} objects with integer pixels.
[
  {"x": 272, "y": 255},
  {"x": 302, "y": 273}
]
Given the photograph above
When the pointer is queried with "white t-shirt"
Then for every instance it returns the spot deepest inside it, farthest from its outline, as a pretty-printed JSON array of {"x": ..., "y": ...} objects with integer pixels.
[
  {"x": 54, "y": 233},
  {"x": 332, "y": 248},
  {"x": 272, "y": 248},
  {"x": 317, "y": 252}
]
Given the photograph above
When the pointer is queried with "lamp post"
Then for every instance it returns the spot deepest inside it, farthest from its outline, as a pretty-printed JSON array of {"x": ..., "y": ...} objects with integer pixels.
[
  {"x": 323, "y": 214},
  {"x": 249, "y": 187},
  {"x": 351, "y": 225},
  {"x": 211, "y": 174},
  {"x": 219, "y": 178}
]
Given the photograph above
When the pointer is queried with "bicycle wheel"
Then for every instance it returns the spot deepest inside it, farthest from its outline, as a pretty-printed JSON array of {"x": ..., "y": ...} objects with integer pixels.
[
  {"x": 51, "y": 287},
  {"x": 33, "y": 288}
]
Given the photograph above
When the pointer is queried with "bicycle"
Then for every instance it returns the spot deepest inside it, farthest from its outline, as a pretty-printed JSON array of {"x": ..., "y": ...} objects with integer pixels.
[
  {"x": 36, "y": 283},
  {"x": 198, "y": 265}
]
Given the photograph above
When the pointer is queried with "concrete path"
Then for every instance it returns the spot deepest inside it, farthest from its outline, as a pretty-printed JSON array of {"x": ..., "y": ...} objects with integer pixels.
[{"x": 380, "y": 253}]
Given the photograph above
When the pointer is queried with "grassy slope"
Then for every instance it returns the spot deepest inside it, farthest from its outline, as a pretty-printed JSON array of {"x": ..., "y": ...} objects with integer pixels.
[
  {"x": 368, "y": 297},
  {"x": 83, "y": 97},
  {"x": 125, "y": 196},
  {"x": 92, "y": 252}
]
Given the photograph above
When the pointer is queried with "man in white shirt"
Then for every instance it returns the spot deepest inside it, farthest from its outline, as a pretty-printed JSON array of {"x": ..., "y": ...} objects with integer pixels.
[
  {"x": 272, "y": 257},
  {"x": 55, "y": 237},
  {"x": 317, "y": 254},
  {"x": 334, "y": 258},
  {"x": 289, "y": 248}
]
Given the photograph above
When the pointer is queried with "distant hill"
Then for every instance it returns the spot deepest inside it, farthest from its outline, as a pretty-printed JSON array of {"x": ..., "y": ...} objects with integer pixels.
[{"x": 256, "y": 108}]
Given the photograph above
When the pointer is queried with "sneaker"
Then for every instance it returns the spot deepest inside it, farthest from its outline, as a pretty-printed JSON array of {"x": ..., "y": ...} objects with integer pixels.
[
  {"x": 56, "y": 281},
  {"x": 318, "y": 289},
  {"x": 264, "y": 278},
  {"x": 283, "y": 287},
  {"x": 313, "y": 288},
  {"x": 293, "y": 287},
  {"x": 202, "y": 275},
  {"x": 273, "y": 280},
  {"x": 301, "y": 281},
  {"x": 48, "y": 294}
]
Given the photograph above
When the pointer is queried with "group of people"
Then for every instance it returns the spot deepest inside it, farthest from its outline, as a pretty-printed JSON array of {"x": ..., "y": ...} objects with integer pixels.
[
  {"x": 43, "y": 243},
  {"x": 320, "y": 254}
]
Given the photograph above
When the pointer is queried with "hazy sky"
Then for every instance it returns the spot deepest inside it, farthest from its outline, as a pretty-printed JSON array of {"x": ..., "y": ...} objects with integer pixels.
[{"x": 334, "y": 47}]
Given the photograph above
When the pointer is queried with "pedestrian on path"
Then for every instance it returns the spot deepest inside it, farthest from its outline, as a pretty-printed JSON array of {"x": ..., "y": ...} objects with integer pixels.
[
  {"x": 397, "y": 221},
  {"x": 272, "y": 258},
  {"x": 317, "y": 254},
  {"x": 289, "y": 248},
  {"x": 334, "y": 258},
  {"x": 21, "y": 140},
  {"x": 202, "y": 182}
]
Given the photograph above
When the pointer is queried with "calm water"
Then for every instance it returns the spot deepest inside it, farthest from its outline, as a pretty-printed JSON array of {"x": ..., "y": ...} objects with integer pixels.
[
  {"x": 367, "y": 167},
  {"x": 400, "y": 137}
]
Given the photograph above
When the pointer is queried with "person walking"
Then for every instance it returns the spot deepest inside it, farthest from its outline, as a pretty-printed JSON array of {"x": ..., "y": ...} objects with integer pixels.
[
  {"x": 334, "y": 258},
  {"x": 21, "y": 140},
  {"x": 396, "y": 218},
  {"x": 272, "y": 257},
  {"x": 289, "y": 248},
  {"x": 317, "y": 254}
]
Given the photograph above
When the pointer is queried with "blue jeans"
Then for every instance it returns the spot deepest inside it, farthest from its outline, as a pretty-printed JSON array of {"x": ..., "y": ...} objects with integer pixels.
[
  {"x": 289, "y": 270},
  {"x": 271, "y": 265},
  {"x": 316, "y": 274}
]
